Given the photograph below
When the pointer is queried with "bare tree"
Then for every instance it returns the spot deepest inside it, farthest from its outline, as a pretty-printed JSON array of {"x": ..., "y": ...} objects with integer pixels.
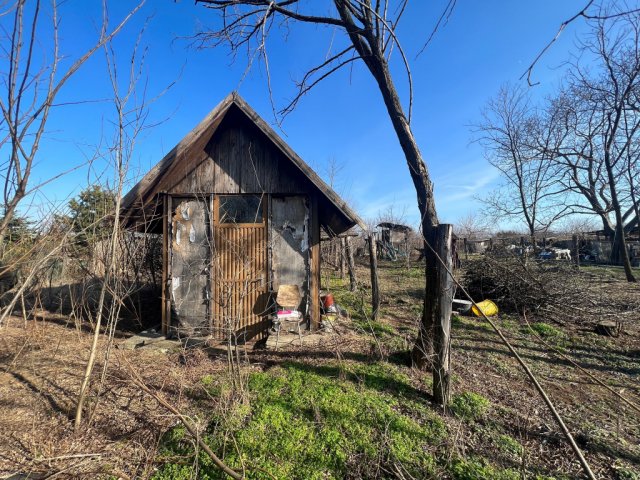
[
  {"x": 632, "y": 168},
  {"x": 472, "y": 225},
  {"x": 591, "y": 10},
  {"x": 596, "y": 124},
  {"x": 29, "y": 89},
  {"x": 130, "y": 105},
  {"x": 532, "y": 189},
  {"x": 368, "y": 32}
]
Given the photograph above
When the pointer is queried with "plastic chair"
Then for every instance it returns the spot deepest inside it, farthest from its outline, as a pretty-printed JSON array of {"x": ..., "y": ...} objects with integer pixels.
[{"x": 288, "y": 297}]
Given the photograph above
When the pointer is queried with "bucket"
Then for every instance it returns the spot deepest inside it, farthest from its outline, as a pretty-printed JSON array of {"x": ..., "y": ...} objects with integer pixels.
[
  {"x": 327, "y": 301},
  {"x": 486, "y": 306},
  {"x": 462, "y": 306}
]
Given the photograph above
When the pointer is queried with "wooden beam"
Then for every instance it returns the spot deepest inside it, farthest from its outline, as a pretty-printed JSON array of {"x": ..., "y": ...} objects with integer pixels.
[
  {"x": 315, "y": 264},
  {"x": 375, "y": 289},
  {"x": 442, "y": 328},
  {"x": 351, "y": 264},
  {"x": 166, "y": 302}
]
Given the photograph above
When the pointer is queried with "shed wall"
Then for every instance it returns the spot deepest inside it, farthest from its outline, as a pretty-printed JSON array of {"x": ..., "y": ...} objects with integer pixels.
[{"x": 236, "y": 161}]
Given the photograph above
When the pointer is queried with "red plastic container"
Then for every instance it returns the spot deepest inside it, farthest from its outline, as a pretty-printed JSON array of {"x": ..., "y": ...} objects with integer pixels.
[{"x": 327, "y": 301}]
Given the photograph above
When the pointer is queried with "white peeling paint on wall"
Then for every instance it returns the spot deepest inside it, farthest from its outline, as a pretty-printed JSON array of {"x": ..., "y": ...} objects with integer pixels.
[
  {"x": 304, "y": 245},
  {"x": 175, "y": 284}
]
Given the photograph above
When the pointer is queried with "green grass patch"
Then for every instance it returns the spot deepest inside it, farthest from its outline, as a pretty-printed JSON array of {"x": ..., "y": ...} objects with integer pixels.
[
  {"x": 319, "y": 422},
  {"x": 457, "y": 321},
  {"x": 627, "y": 474},
  {"x": 469, "y": 406},
  {"x": 412, "y": 272},
  {"x": 509, "y": 445},
  {"x": 611, "y": 271},
  {"x": 546, "y": 331},
  {"x": 374, "y": 327},
  {"x": 356, "y": 303},
  {"x": 480, "y": 470}
]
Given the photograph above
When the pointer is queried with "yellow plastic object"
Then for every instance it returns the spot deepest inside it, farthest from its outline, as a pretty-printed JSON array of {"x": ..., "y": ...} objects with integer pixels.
[{"x": 487, "y": 307}]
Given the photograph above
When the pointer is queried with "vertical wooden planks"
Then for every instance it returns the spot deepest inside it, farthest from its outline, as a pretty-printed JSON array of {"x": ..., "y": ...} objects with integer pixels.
[
  {"x": 166, "y": 208},
  {"x": 314, "y": 280},
  {"x": 241, "y": 262}
]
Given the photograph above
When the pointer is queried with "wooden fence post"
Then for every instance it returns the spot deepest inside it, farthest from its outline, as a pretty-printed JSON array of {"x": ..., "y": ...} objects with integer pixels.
[
  {"x": 343, "y": 262},
  {"x": 523, "y": 251},
  {"x": 576, "y": 249},
  {"x": 442, "y": 330},
  {"x": 351, "y": 264},
  {"x": 407, "y": 251},
  {"x": 375, "y": 289}
]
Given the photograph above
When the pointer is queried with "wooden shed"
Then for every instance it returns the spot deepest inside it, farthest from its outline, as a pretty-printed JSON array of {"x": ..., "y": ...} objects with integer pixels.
[{"x": 240, "y": 214}]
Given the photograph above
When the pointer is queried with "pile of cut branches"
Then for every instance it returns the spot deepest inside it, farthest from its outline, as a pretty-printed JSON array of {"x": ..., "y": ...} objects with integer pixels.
[{"x": 554, "y": 290}]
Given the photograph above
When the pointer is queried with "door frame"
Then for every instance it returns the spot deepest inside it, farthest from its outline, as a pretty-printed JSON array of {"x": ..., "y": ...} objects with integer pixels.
[{"x": 214, "y": 225}]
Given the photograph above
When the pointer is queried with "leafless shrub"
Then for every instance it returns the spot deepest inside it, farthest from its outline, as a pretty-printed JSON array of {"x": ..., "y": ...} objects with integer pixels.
[{"x": 554, "y": 290}]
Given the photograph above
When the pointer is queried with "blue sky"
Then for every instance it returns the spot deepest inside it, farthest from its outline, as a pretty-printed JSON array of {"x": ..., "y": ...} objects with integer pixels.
[{"x": 484, "y": 44}]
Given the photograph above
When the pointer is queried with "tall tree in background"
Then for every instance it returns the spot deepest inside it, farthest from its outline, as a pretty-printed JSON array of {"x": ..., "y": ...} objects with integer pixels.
[
  {"x": 580, "y": 151},
  {"x": 533, "y": 190},
  {"x": 596, "y": 122},
  {"x": 368, "y": 36}
]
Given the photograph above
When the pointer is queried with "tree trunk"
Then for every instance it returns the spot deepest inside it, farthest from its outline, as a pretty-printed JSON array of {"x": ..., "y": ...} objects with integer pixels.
[
  {"x": 619, "y": 250},
  {"x": 422, "y": 354},
  {"x": 351, "y": 264},
  {"x": 375, "y": 60},
  {"x": 442, "y": 327},
  {"x": 375, "y": 289}
]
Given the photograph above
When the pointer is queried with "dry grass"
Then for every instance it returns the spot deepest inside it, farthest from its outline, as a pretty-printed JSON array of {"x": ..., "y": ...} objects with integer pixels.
[
  {"x": 41, "y": 373},
  {"x": 41, "y": 367}
]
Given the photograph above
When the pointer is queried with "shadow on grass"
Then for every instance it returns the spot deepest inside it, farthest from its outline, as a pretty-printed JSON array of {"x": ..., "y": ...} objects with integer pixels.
[
  {"x": 611, "y": 358},
  {"x": 369, "y": 376}
]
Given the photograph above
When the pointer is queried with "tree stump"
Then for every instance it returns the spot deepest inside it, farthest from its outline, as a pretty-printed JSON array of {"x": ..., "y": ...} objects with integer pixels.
[{"x": 608, "y": 328}]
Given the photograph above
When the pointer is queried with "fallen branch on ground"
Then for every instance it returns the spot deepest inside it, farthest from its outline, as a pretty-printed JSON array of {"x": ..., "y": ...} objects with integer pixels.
[{"x": 192, "y": 429}]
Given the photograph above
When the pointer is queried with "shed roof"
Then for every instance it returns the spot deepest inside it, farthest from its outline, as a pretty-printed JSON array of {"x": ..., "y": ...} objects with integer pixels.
[
  {"x": 396, "y": 227},
  {"x": 334, "y": 214}
]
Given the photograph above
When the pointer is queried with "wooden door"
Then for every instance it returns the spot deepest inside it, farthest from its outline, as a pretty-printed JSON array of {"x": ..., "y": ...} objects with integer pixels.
[
  {"x": 239, "y": 266},
  {"x": 290, "y": 244},
  {"x": 190, "y": 259}
]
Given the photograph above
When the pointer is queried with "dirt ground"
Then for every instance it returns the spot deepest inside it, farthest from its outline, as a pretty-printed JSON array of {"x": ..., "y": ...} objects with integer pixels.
[{"x": 42, "y": 362}]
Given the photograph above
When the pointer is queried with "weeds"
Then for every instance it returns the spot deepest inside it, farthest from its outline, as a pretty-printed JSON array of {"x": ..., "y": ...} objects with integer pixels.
[
  {"x": 478, "y": 470},
  {"x": 304, "y": 422},
  {"x": 469, "y": 406},
  {"x": 509, "y": 445},
  {"x": 547, "y": 331}
]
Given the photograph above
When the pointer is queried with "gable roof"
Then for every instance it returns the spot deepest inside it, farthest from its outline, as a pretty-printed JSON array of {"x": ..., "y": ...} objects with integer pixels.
[{"x": 141, "y": 196}]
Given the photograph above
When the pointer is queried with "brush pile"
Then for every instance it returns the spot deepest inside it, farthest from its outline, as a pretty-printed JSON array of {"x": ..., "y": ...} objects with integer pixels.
[{"x": 552, "y": 290}]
